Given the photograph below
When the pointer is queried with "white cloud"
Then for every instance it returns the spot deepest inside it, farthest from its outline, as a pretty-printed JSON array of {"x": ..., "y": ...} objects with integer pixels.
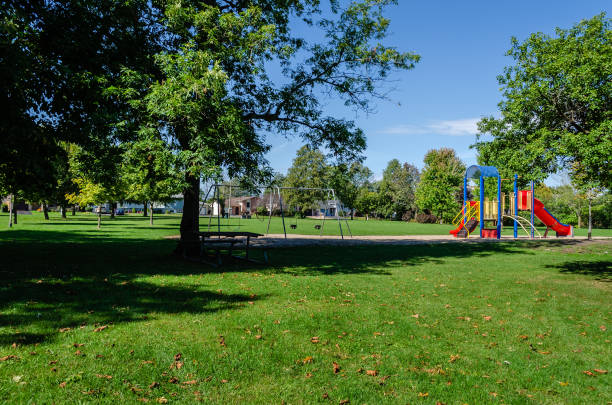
[{"x": 461, "y": 127}]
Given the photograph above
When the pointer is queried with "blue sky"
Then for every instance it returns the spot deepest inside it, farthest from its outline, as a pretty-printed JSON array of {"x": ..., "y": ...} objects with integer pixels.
[{"x": 462, "y": 45}]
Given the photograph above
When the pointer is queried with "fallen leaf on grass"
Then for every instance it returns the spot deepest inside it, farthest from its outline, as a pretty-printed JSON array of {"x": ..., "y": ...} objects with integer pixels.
[
  {"x": 191, "y": 382},
  {"x": 523, "y": 337},
  {"x": 314, "y": 339},
  {"x": 62, "y": 384},
  {"x": 603, "y": 328},
  {"x": 79, "y": 353},
  {"x": 162, "y": 400},
  {"x": 336, "y": 367},
  {"x": 143, "y": 400},
  {"x": 100, "y": 328},
  {"x": 147, "y": 362},
  {"x": 153, "y": 385},
  {"x": 344, "y": 402},
  {"x": 78, "y": 344},
  {"x": 597, "y": 370},
  {"x": 415, "y": 316},
  {"x": 108, "y": 377},
  {"x": 423, "y": 394},
  {"x": 173, "y": 380},
  {"x": 308, "y": 375},
  {"x": 587, "y": 372},
  {"x": 224, "y": 381},
  {"x": 9, "y": 357},
  {"x": 258, "y": 337},
  {"x": 307, "y": 359},
  {"x": 222, "y": 341},
  {"x": 177, "y": 356},
  {"x": 563, "y": 383},
  {"x": 372, "y": 373},
  {"x": 454, "y": 358},
  {"x": 486, "y": 317}
]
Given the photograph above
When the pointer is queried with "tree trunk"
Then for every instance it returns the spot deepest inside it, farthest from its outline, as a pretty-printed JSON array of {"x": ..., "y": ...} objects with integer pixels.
[
  {"x": 63, "y": 209},
  {"x": 112, "y": 208},
  {"x": 590, "y": 228},
  {"x": 190, "y": 221},
  {"x": 73, "y": 210},
  {"x": 11, "y": 211},
  {"x": 45, "y": 210},
  {"x": 151, "y": 215},
  {"x": 579, "y": 219},
  {"x": 15, "y": 217},
  {"x": 144, "y": 209},
  {"x": 99, "y": 216}
]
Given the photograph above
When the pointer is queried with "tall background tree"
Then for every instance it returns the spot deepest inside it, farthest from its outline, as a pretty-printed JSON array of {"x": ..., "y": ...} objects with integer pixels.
[
  {"x": 397, "y": 190},
  {"x": 441, "y": 179},
  {"x": 347, "y": 180},
  {"x": 556, "y": 111},
  {"x": 309, "y": 170}
]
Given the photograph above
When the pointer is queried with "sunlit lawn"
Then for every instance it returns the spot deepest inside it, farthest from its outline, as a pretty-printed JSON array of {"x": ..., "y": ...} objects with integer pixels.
[{"x": 507, "y": 322}]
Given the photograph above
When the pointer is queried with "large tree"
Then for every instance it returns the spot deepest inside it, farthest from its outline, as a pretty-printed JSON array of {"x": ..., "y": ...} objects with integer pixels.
[
  {"x": 441, "y": 178},
  {"x": 149, "y": 171},
  {"x": 556, "y": 110},
  {"x": 397, "y": 189},
  {"x": 309, "y": 170},
  {"x": 346, "y": 180},
  {"x": 221, "y": 92}
]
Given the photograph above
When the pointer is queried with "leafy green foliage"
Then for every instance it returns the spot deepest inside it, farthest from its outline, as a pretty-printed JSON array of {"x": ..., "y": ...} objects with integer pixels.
[
  {"x": 397, "y": 189},
  {"x": 441, "y": 181},
  {"x": 556, "y": 110},
  {"x": 309, "y": 170}
]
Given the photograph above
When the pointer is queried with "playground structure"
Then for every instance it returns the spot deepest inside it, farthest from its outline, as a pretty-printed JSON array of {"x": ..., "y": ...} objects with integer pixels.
[
  {"x": 489, "y": 214},
  {"x": 270, "y": 197}
]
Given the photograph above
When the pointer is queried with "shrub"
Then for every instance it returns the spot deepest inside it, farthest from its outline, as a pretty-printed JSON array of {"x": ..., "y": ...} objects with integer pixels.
[
  {"x": 261, "y": 211},
  {"x": 407, "y": 216},
  {"x": 426, "y": 218},
  {"x": 5, "y": 208}
]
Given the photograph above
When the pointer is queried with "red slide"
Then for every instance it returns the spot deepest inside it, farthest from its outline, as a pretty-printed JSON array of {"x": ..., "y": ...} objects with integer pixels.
[{"x": 547, "y": 218}]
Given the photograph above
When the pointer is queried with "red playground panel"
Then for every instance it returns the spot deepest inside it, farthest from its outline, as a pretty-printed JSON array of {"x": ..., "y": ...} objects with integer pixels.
[{"x": 489, "y": 233}]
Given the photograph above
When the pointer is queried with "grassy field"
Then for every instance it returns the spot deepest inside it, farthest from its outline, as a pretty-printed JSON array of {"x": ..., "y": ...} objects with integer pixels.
[{"x": 110, "y": 316}]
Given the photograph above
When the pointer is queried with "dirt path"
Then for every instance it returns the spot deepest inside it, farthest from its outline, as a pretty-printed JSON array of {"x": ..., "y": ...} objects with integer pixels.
[{"x": 278, "y": 240}]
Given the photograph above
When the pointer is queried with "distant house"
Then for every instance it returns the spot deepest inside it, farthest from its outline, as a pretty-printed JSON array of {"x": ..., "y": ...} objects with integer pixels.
[{"x": 174, "y": 206}]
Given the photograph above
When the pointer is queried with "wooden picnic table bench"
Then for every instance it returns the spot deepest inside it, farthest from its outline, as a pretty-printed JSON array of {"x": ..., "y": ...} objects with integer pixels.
[{"x": 227, "y": 240}]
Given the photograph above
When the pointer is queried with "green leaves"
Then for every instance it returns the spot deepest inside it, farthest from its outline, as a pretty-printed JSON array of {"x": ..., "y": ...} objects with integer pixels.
[{"x": 556, "y": 110}]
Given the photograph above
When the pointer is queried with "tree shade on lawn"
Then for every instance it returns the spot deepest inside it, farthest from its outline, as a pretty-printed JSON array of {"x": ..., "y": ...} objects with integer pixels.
[{"x": 511, "y": 322}]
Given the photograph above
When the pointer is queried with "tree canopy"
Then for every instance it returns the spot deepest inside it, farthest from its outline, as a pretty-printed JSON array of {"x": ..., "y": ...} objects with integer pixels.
[{"x": 556, "y": 111}]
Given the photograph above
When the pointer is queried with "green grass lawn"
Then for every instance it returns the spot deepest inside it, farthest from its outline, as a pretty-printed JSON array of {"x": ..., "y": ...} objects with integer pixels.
[{"x": 110, "y": 316}]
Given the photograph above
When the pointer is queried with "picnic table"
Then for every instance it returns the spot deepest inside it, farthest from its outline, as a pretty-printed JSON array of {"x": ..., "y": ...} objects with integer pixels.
[{"x": 227, "y": 240}]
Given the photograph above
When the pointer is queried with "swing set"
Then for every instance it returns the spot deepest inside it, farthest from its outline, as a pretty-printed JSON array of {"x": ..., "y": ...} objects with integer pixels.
[{"x": 274, "y": 194}]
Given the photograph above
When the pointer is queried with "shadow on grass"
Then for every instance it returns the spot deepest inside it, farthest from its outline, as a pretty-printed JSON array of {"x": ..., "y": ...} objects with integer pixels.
[
  {"x": 55, "y": 279},
  {"x": 601, "y": 270}
]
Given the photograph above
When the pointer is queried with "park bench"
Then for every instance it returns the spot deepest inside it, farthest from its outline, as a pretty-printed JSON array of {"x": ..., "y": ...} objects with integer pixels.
[{"x": 218, "y": 242}]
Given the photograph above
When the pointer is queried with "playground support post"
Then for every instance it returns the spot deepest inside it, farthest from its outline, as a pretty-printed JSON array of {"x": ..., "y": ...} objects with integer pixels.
[
  {"x": 515, "y": 205},
  {"x": 337, "y": 216},
  {"x": 280, "y": 203},
  {"x": 482, "y": 188},
  {"x": 465, "y": 200},
  {"x": 499, "y": 209},
  {"x": 532, "y": 209}
]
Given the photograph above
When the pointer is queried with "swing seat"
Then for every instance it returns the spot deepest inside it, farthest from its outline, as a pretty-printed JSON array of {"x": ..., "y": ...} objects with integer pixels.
[
  {"x": 293, "y": 226},
  {"x": 317, "y": 227}
]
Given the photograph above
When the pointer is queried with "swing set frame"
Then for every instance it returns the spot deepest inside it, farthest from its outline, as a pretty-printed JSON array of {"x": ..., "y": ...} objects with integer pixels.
[{"x": 276, "y": 191}]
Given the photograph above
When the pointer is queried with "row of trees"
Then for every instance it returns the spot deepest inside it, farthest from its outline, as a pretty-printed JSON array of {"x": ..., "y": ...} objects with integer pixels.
[
  {"x": 403, "y": 191},
  {"x": 434, "y": 194}
]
